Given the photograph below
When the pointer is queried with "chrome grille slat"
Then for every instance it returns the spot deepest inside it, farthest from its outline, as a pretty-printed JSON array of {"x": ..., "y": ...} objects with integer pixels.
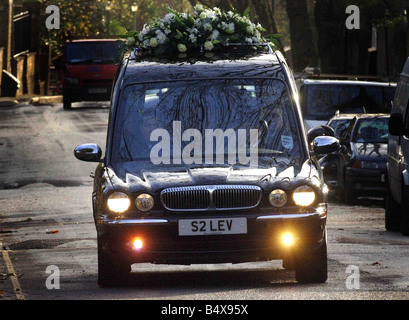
[{"x": 212, "y": 197}]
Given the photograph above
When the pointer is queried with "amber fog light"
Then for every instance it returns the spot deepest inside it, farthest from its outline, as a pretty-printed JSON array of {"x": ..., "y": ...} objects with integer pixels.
[
  {"x": 144, "y": 202},
  {"x": 287, "y": 239},
  {"x": 118, "y": 202},
  {"x": 277, "y": 198},
  {"x": 304, "y": 196},
  {"x": 137, "y": 243}
]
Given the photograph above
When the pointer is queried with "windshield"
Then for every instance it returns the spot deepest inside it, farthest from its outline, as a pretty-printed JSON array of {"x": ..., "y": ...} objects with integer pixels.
[
  {"x": 249, "y": 122},
  {"x": 321, "y": 101},
  {"x": 92, "y": 52},
  {"x": 373, "y": 130},
  {"x": 340, "y": 126}
]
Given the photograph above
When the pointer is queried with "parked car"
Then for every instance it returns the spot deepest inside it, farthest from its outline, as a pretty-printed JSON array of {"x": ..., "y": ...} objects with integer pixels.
[
  {"x": 89, "y": 68},
  {"x": 358, "y": 167},
  {"x": 172, "y": 187},
  {"x": 397, "y": 196},
  {"x": 340, "y": 123},
  {"x": 322, "y": 98}
]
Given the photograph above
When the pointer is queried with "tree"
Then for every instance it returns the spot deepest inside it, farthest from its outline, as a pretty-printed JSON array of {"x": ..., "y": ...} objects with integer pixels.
[
  {"x": 90, "y": 18},
  {"x": 302, "y": 44}
]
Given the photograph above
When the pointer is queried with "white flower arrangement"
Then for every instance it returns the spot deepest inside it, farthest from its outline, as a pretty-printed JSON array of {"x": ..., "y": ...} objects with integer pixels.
[{"x": 206, "y": 29}]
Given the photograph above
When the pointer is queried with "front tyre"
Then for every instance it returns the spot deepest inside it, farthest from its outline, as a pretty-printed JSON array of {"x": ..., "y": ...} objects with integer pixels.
[
  {"x": 312, "y": 266},
  {"x": 112, "y": 272},
  {"x": 404, "y": 219},
  {"x": 392, "y": 212}
]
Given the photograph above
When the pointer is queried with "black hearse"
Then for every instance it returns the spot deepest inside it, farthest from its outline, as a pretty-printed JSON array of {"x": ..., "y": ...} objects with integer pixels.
[{"x": 206, "y": 162}]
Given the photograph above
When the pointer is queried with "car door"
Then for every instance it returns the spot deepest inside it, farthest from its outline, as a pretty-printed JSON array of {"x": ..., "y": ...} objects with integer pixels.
[
  {"x": 344, "y": 154},
  {"x": 395, "y": 153},
  {"x": 404, "y": 141}
]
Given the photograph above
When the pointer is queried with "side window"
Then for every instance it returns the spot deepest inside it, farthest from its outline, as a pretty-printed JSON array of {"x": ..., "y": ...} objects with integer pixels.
[{"x": 403, "y": 100}]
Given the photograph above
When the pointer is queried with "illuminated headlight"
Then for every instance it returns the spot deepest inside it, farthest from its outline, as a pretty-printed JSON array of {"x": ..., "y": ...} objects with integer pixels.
[
  {"x": 304, "y": 196},
  {"x": 118, "y": 202},
  {"x": 144, "y": 202},
  {"x": 277, "y": 198}
]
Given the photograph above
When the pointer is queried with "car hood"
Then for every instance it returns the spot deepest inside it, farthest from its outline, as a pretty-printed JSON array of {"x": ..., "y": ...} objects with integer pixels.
[
  {"x": 132, "y": 177},
  {"x": 370, "y": 151}
]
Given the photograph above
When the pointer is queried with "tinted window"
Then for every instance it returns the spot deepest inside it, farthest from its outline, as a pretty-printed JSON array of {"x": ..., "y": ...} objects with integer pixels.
[
  {"x": 92, "y": 52},
  {"x": 321, "y": 101},
  {"x": 207, "y": 122},
  {"x": 371, "y": 130}
]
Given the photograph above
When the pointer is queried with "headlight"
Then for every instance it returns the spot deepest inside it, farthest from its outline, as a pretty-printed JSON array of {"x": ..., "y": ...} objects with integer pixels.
[
  {"x": 118, "y": 202},
  {"x": 304, "y": 196},
  {"x": 144, "y": 202},
  {"x": 277, "y": 198}
]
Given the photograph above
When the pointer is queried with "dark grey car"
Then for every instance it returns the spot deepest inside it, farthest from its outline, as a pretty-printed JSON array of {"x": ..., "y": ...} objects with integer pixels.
[{"x": 208, "y": 162}]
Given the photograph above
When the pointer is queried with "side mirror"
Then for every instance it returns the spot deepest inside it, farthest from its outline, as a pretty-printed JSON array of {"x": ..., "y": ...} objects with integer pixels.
[
  {"x": 322, "y": 130},
  {"x": 325, "y": 145},
  {"x": 90, "y": 152},
  {"x": 396, "y": 126}
]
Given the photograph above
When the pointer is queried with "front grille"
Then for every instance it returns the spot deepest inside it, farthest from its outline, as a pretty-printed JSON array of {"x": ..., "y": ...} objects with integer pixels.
[{"x": 206, "y": 198}]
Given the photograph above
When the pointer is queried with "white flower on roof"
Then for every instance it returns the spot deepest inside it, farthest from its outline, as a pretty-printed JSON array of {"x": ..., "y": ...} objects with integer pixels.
[
  {"x": 153, "y": 42},
  {"x": 198, "y": 23},
  {"x": 198, "y": 8},
  {"x": 215, "y": 34},
  {"x": 170, "y": 17},
  {"x": 192, "y": 30},
  {"x": 192, "y": 38},
  {"x": 182, "y": 48},
  {"x": 161, "y": 37},
  {"x": 208, "y": 46},
  {"x": 210, "y": 14},
  {"x": 207, "y": 26}
]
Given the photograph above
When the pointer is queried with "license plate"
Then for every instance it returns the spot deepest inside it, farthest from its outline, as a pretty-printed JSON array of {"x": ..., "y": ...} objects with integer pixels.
[
  {"x": 97, "y": 90},
  {"x": 195, "y": 227}
]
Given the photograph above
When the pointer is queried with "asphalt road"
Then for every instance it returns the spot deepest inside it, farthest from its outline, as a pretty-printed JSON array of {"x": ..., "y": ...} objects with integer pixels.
[{"x": 48, "y": 239}]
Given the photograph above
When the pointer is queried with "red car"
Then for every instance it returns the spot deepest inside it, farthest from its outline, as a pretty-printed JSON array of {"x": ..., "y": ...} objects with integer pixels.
[{"x": 89, "y": 70}]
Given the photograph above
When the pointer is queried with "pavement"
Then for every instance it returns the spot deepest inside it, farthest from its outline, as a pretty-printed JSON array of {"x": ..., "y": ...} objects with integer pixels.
[{"x": 29, "y": 99}]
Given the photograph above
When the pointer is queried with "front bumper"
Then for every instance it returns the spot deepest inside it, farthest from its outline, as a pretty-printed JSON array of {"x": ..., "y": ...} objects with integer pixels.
[{"x": 162, "y": 243}]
